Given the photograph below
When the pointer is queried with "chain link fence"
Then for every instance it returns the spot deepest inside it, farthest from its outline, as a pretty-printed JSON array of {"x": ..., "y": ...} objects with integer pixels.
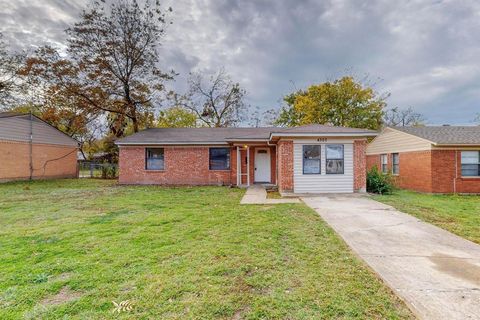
[{"x": 104, "y": 170}]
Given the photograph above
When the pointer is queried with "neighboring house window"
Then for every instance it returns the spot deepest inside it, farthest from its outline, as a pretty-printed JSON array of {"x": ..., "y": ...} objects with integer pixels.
[
  {"x": 470, "y": 163},
  {"x": 335, "y": 160},
  {"x": 154, "y": 159},
  {"x": 311, "y": 159},
  {"x": 219, "y": 159},
  {"x": 384, "y": 163},
  {"x": 395, "y": 163}
]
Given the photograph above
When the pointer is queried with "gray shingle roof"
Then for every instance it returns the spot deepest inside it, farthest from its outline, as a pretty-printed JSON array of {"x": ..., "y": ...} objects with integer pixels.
[
  {"x": 223, "y": 135},
  {"x": 448, "y": 135},
  {"x": 319, "y": 128},
  {"x": 9, "y": 114}
]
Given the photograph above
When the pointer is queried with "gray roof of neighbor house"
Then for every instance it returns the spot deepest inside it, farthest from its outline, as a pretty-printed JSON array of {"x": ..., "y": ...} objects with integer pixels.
[
  {"x": 224, "y": 135},
  {"x": 446, "y": 135},
  {"x": 16, "y": 127}
]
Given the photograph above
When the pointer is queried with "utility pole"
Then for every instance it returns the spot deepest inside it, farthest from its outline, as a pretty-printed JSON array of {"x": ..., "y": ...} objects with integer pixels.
[{"x": 31, "y": 145}]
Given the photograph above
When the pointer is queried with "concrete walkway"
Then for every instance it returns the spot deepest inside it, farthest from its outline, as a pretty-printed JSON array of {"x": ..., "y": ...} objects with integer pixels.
[
  {"x": 435, "y": 272},
  {"x": 256, "y": 194}
]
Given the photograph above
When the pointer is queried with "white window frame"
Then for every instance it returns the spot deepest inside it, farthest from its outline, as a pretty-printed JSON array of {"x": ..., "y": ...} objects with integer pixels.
[
  {"x": 333, "y": 159},
  {"x": 384, "y": 162},
  {"x": 397, "y": 165},
  {"x": 319, "y": 158},
  {"x": 147, "y": 150},
  {"x": 462, "y": 163}
]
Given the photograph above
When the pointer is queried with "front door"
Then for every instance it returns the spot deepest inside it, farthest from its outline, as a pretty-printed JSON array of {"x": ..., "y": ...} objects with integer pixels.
[{"x": 262, "y": 165}]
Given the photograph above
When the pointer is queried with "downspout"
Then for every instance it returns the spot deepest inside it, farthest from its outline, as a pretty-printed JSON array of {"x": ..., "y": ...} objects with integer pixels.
[
  {"x": 31, "y": 146},
  {"x": 456, "y": 172}
]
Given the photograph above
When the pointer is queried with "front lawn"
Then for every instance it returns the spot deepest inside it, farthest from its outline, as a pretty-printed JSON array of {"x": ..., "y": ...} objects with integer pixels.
[
  {"x": 71, "y": 247},
  {"x": 459, "y": 214}
]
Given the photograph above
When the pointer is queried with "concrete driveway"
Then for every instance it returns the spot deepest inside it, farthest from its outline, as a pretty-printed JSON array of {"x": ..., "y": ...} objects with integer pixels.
[{"x": 435, "y": 272}]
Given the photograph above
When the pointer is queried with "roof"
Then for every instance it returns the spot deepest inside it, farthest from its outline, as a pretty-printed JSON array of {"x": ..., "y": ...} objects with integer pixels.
[
  {"x": 9, "y": 114},
  {"x": 445, "y": 135},
  {"x": 17, "y": 127},
  {"x": 225, "y": 135}
]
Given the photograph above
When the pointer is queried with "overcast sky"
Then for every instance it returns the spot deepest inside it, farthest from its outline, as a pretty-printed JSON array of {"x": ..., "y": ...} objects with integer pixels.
[{"x": 425, "y": 53}]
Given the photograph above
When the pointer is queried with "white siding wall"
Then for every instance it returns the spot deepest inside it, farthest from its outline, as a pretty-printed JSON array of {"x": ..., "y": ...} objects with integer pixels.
[
  {"x": 18, "y": 129},
  {"x": 322, "y": 183},
  {"x": 390, "y": 141}
]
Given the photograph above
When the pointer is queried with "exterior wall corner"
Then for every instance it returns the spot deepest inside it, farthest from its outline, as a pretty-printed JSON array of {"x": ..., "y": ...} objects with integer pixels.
[
  {"x": 360, "y": 166},
  {"x": 285, "y": 166}
]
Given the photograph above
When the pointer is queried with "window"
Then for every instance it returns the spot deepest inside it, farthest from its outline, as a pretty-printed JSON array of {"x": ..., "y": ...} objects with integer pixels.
[
  {"x": 154, "y": 159},
  {"x": 311, "y": 159},
  {"x": 470, "y": 163},
  {"x": 384, "y": 163},
  {"x": 335, "y": 161},
  {"x": 219, "y": 159},
  {"x": 395, "y": 163}
]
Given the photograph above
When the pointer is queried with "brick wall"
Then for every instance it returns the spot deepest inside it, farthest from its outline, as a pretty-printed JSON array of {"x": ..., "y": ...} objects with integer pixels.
[
  {"x": 443, "y": 171},
  {"x": 373, "y": 161},
  {"x": 359, "y": 166},
  {"x": 415, "y": 169},
  {"x": 285, "y": 165},
  {"x": 447, "y": 173},
  {"x": 49, "y": 161},
  {"x": 183, "y": 166}
]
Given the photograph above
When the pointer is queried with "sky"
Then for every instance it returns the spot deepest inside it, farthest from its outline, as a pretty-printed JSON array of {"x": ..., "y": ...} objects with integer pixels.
[{"x": 426, "y": 54}]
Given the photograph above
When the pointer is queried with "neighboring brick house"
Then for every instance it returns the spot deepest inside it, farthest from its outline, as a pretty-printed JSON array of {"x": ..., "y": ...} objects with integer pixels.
[
  {"x": 32, "y": 149},
  {"x": 442, "y": 159},
  {"x": 307, "y": 159}
]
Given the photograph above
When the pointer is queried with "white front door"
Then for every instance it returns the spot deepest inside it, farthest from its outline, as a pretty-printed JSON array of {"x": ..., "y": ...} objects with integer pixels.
[{"x": 262, "y": 165}]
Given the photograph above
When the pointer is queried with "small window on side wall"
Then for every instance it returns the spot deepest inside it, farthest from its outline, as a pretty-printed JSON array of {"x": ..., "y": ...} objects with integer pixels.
[
  {"x": 470, "y": 163},
  {"x": 311, "y": 159},
  {"x": 334, "y": 159},
  {"x": 384, "y": 163},
  {"x": 219, "y": 159},
  {"x": 154, "y": 159},
  {"x": 395, "y": 163}
]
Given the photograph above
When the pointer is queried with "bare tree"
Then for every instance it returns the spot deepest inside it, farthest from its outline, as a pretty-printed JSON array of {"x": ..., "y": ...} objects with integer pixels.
[
  {"x": 9, "y": 82},
  {"x": 403, "y": 117},
  {"x": 112, "y": 63},
  {"x": 259, "y": 118},
  {"x": 217, "y": 102}
]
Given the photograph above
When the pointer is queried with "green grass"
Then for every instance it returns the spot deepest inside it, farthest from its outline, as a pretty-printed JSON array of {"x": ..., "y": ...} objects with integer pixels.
[
  {"x": 459, "y": 214},
  {"x": 68, "y": 248}
]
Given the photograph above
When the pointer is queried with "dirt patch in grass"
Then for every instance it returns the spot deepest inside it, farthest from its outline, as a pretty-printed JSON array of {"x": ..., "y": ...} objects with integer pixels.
[
  {"x": 238, "y": 315},
  {"x": 64, "y": 295},
  {"x": 274, "y": 195}
]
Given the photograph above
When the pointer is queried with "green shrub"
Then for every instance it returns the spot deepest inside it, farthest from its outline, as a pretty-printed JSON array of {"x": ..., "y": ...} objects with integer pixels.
[
  {"x": 109, "y": 171},
  {"x": 379, "y": 182}
]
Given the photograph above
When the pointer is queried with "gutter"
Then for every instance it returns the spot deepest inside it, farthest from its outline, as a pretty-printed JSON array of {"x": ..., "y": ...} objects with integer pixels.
[{"x": 350, "y": 134}]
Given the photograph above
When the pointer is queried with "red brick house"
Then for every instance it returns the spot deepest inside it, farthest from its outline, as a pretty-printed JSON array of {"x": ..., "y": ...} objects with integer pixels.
[
  {"x": 32, "y": 149},
  {"x": 442, "y": 159},
  {"x": 307, "y": 159}
]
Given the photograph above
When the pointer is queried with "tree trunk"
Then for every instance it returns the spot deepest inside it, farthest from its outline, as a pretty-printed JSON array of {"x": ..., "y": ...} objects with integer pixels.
[{"x": 135, "y": 124}]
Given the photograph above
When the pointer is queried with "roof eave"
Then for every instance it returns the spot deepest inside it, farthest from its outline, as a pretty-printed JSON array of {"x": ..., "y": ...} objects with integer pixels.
[
  {"x": 451, "y": 145},
  {"x": 330, "y": 134},
  {"x": 247, "y": 139},
  {"x": 162, "y": 143}
]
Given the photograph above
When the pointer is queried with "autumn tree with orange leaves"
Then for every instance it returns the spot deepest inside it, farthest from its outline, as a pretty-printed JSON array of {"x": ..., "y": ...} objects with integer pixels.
[{"x": 110, "y": 69}]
